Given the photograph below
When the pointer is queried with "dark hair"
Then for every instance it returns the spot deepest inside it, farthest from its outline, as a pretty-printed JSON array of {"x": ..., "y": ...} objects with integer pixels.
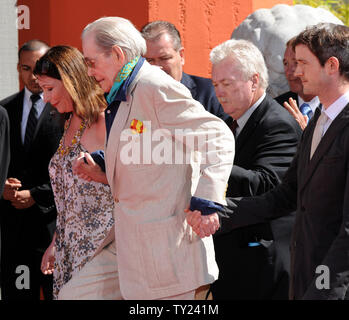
[
  {"x": 153, "y": 31},
  {"x": 32, "y": 45},
  {"x": 67, "y": 64},
  {"x": 326, "y": 40}
]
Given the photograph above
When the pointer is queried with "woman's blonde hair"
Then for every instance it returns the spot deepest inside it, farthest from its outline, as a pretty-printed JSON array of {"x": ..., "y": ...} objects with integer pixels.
[{"x": 67, "y": 64}]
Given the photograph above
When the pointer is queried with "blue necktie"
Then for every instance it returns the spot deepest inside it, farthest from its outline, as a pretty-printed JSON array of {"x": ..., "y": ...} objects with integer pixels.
[{"x": 306, "y": 110}]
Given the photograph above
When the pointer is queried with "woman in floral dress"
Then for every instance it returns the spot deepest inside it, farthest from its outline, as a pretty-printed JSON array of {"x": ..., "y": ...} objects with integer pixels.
[{"x": 82, "y": 254}]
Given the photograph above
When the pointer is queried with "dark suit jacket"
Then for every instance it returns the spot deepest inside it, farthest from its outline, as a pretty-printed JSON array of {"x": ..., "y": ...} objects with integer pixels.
[
  {"x": 319, "y": 189},
  {"x": 264, "y": 150},
  {"x": 30, "y": 229},
  {"x": 285, "y": 96},
  {"x": 4, "y": 147},
  {"x": 202, "y": 90}
]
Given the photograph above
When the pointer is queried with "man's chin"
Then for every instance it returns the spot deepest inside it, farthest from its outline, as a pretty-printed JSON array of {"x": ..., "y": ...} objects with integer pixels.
[{"x": 35, "y": 90}]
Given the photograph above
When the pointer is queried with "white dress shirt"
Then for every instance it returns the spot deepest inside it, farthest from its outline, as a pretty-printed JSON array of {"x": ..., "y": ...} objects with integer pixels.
[{"x": 335, "y": 109}]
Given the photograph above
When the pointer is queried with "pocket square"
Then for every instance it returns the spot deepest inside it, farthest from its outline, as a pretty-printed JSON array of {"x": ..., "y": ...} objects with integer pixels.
[{"x": 137, "y": 126}]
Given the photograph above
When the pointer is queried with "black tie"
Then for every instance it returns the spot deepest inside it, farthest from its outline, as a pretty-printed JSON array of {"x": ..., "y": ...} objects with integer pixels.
[
  {"x": 32, "y": 121},
  {"x": 234, "y": 126}
]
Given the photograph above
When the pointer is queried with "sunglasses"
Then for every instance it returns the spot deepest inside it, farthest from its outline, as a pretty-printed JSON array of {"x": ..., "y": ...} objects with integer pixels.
[{"x": 46, "y": 67}]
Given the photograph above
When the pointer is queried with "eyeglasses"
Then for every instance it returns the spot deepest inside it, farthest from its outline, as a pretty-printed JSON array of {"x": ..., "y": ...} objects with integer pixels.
[
  {"x": 47, "y": 68},
  {"x": 91, "y": 63}
]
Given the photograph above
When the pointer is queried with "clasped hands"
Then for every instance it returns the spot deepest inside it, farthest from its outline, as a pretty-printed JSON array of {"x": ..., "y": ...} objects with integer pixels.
[
  {"x": 86, "y": 168},
  {"x": 20, "y": 199},
  {"x": 203, "y": 226}
]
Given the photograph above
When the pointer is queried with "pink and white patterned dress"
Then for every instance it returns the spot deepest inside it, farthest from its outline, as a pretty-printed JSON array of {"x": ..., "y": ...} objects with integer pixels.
[{"x": 84, "y": 216}]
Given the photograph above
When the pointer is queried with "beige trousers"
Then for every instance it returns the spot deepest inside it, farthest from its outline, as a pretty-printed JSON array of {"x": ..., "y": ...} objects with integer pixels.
[{"x": 97, "y": 280}]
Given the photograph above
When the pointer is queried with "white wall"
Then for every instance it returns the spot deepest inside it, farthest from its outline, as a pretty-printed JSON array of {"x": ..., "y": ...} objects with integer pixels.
[{"x": 8, "y": 48}]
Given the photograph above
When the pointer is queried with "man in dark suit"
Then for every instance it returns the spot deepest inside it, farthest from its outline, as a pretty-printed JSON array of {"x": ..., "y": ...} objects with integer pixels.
[
  {"x": 317, "y": 182},
  {"x": 27, "y": 208},
  {"x": 301, "y": 106},
  {"x": 164, "y": 49},
  {"x": 253, "y": 261}
]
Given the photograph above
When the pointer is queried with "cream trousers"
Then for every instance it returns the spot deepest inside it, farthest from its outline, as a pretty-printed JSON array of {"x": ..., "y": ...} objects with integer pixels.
[{"x": 97, "y": 280}]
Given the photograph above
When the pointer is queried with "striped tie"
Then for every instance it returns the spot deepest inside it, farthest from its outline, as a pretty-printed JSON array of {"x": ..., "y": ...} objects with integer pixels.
[{"x": 32, "y": 122}]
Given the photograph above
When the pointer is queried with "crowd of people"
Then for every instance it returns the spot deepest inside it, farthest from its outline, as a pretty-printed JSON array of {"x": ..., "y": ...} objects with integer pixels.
[{"x": 123, "y": 177}]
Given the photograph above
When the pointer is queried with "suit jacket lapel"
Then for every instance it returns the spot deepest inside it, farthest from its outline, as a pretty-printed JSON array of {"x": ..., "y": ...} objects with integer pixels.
[
  {"x": 250, "y": 125},
  {"x": 45, "y": 114},
  {"x": 325, "y": 143},
  {"x": 112, "y": 145}
]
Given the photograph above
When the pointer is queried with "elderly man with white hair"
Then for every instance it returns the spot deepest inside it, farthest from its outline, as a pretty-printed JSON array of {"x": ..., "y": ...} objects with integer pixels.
[
  {"x": 253, "y": 261},
  {"x": 149, "y": 119}
]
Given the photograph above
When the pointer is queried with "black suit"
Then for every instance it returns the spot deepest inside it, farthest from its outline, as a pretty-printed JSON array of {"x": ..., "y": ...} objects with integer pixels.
[
  {"x": 264, "y": 150},
  {"x": 202, "y": 90},
  {"x": 319, "y": 189},
  {"x": 4, "y": 147},
  {"x": 26, "y": 233},
  {"x": 287, "y": 95}
]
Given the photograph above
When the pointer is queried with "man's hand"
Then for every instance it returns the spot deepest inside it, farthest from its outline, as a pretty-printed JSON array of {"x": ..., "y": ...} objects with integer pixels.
[
  {"x": 89, "y": 171},
  {"x": 23, "y": 200},
  {"x": 10, "y": 189},
  {"x": 293, "y": 109},
  {"x": 48, "y": 259},
  {"x": 203, "y": 226}
]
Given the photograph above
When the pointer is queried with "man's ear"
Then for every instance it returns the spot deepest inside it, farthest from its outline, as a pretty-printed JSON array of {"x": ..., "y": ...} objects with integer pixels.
[
  {"x": 332, "y": 65},
  {"x": 181, "y": 53},
  {"x": 255, "y": 81},
  {"x": 119, "y": 55}
]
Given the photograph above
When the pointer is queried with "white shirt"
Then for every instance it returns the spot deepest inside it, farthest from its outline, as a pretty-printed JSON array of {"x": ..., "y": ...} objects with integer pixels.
[
  {"x": 244, "y": 118},
  {"x": 27, "y": 104},
  {"x": 313, "y": 103},
  {"x": 335, "y": 109}
]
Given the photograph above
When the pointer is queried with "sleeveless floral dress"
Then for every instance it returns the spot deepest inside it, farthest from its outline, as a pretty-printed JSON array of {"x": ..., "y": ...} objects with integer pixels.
[{"x": 84, "y": 214}]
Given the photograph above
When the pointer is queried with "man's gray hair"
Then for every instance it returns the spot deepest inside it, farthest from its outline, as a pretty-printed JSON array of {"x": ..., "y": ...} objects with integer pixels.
[
  {"x": 110, "y": 31},
  {"x": 248, "y": 56}
]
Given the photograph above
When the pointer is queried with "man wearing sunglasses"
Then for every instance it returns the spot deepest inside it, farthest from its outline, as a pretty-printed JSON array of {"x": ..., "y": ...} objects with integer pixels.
[{"x": 27, "y": 206}]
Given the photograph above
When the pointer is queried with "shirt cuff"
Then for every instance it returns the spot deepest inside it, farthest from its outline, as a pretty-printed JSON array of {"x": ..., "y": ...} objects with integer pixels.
[
  {"x": 205, "y": 206},
  {"x": 98, "y": 157}
]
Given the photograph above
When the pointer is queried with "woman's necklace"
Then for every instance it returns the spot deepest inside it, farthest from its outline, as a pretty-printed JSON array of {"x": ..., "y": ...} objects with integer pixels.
[{"x": 63, "y": 150}]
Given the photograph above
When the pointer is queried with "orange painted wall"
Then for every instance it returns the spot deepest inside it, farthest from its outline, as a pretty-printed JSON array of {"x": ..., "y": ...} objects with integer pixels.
[{"x": 203, "y": 24}]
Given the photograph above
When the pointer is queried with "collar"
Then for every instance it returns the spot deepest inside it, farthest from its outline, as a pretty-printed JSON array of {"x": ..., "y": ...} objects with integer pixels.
[
  {"x": 244, "y": 118},
  {"x": 336, "y": 107},
  {"x": 313, "y": 103},
  {"x": 122, "y": 92},
  {"x": 28, "y": 93}
]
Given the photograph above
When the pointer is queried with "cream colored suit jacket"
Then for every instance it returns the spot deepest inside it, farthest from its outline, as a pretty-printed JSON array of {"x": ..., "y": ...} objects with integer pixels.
[{"x": 158, "y": 254}]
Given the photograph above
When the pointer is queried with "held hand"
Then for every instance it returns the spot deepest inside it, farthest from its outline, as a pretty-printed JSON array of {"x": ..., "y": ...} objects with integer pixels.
[
  {"x": 86, "y": 168},
  {"x": 10, "y": 188},
  {"x": 203, "y": 226},
  {"x": 23, "y": 200},
  {"x": 293, "y": 109}
]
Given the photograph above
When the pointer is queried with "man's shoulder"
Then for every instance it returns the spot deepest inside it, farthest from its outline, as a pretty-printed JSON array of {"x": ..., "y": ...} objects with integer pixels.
[
  {"x": 285, "y": 96},
  {"x": 14, "y": 98},
  {"x": 276, "y": 115},
  {"x": 199, "y": 81}
]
